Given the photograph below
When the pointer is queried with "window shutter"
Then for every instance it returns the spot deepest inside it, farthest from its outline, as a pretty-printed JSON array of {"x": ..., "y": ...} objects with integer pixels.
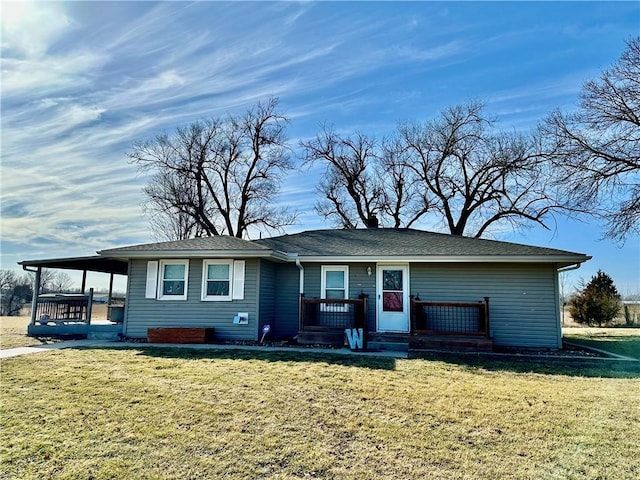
[
  {"x": 238, "y": 280},
  {"x": 152, "y": 280}
]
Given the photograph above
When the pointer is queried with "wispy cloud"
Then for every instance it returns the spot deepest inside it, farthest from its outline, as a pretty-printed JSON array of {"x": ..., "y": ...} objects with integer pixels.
[
  {"x": 81, "y": 81},
  {"x": 28, "y": 30}
]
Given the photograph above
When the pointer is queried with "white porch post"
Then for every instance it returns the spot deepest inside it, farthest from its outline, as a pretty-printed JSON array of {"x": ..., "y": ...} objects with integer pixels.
[{"x": 36, "y": 292}]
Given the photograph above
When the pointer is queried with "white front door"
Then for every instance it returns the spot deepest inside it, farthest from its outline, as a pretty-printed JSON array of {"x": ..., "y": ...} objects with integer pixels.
[{"x": 393, "y": 298}]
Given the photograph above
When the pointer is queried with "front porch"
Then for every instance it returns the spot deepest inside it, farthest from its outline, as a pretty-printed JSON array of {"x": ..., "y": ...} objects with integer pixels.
[
  {"x": 324, "y": 322},
  {"x": 451, "y": 326}
]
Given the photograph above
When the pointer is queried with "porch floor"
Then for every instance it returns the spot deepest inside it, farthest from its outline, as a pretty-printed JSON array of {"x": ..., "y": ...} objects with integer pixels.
[{"x": 97, "y": 330}]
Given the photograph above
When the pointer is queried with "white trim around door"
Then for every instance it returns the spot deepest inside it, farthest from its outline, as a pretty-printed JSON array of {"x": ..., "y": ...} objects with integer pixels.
[{"x": 392, "y": 298}]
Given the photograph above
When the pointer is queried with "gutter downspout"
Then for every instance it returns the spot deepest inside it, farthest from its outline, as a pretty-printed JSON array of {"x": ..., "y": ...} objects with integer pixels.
[
  {"x": 557, "y": 288},
  {"x": 569, "y": 268},
  {"x": 301, "y": 268},
  {"x": 300, "y": 293}
]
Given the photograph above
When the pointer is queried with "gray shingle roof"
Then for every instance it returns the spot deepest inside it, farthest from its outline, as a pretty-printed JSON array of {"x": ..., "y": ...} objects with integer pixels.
[
  {"x": 373, "y": 242},
  {"x": 398, "y": 242},
  {"x": 221, "y": 242}
]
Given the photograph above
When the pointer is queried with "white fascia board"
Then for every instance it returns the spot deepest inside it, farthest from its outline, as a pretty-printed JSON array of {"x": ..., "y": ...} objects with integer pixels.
[{"x": 561, "y": 260}]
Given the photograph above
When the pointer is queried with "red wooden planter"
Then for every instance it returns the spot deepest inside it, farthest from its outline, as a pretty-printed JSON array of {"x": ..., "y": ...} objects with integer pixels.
[{"x": 179, "y": 335}]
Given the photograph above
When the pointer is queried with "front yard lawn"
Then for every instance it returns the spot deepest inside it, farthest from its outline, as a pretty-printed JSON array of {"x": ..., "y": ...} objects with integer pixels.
[{"x": 171, "y": 413}]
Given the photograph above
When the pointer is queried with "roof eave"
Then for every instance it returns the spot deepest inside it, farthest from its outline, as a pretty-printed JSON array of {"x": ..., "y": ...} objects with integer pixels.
[
  {"x": 195, "y": 254},
  {"x": 95, "y": 263},
  {"x": 561, "y": 260}
]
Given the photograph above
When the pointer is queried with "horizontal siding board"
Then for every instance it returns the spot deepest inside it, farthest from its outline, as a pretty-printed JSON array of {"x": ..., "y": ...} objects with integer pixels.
[{"x": 144, "y": 313}]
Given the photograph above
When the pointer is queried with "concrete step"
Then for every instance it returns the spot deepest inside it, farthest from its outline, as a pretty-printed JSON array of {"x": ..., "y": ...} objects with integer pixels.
[
  {"x": 321, "y": 338},
  {"x": 103, "y": 336},
  {"x": 104, "y": 332},
  {"x": 452, "y": 344},
  {"x": 386, "y": 345}
]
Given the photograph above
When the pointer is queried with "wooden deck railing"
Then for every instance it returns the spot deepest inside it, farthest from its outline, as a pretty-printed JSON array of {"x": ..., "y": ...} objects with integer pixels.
[
  {"x": 450, "y": 318},
  {"x": 332, "y": 315},
  {"x": 63, "y": 308}
]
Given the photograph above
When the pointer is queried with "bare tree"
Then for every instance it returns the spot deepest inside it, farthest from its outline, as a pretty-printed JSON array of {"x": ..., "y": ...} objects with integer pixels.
[
  {"x": 52, "y": 280},
  {"x": 217, "y": 176},
  {"x": 351, "y": 191},
  {"x": 168, "y": 209},
  {"x": 172, "y": 224},
  {"x": 475, "y": 178},
  {"x": 455, "y": 168},
  {"x": 61, "y": 283},
  {"x": 363, "y": 179},
  {"x": 405, "y": 201},
  {"x": 46, "y": 279},
  {"x": 15, "y": 291},
  {"x": 597, "y": 147}
]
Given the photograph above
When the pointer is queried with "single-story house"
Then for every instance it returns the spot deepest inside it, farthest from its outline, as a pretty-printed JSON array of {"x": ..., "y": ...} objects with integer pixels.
[{"x": 315, "y": 284}]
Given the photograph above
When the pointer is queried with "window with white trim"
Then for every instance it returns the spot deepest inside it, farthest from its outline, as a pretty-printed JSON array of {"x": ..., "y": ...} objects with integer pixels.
[
  {"x": 216, "y": 280},
  {"x": 173, "y": 278},
  {"x": 335, "y": 285},
  {"x": 222, "y": 280}
]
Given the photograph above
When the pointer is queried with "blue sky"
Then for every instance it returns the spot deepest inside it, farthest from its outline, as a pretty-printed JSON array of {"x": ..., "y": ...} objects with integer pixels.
[{"x": 81, "y": 81}]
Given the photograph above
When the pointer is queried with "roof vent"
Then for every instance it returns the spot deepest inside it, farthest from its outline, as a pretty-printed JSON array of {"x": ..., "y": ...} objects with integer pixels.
[{"x": 372, "y": 222}]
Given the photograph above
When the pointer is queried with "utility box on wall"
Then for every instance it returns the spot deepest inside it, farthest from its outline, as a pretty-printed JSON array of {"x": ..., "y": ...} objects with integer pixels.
[{"x": 241, "y": 318}]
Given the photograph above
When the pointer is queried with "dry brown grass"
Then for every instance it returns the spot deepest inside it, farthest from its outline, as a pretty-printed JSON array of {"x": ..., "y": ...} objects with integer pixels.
[
  {"x": 170, "y": 413},
  {"x": 13, "y": 333},
  {"x": 13, "y": 330}
]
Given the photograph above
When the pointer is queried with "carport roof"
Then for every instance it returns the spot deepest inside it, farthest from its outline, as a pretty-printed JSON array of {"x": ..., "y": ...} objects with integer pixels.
[{"x": 94, "y": 263}]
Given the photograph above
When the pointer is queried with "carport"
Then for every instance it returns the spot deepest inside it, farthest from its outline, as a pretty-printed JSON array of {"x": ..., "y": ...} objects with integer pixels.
[{"x": 70, "y": 314}]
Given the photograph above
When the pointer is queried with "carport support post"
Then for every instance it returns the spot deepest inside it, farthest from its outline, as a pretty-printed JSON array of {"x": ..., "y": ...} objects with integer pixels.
[
  {"x": 84, "y": 281},
  {"x": 36, "y": 292},
  {"x": 89, "y": 306},
  {"x": 110, "y": 289},
  {"x": 109, "y": 297}
]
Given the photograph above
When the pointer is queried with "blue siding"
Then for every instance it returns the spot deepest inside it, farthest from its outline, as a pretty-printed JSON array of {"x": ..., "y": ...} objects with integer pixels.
[
  {"x": 523, "y": 303},
  {"x": 287, "y": 300},
  {"x": 523, "y": 306},
  {"x": 144, "y": 313},
  {"x": 267, "y": 295}
]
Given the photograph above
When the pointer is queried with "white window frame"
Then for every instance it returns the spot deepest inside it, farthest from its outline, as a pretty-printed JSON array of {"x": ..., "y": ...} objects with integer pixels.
[
  {"x": 325, "y": 307},
  {"x": 205, "y": 268},
  {"x": 163, "y": 263}
]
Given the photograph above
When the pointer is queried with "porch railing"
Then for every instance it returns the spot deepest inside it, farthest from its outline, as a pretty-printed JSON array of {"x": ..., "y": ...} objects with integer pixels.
[
  {"x": 450, "y": 318},
  {"x": 63, "y": 308},
  {"x": 321, "y": 314}
]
